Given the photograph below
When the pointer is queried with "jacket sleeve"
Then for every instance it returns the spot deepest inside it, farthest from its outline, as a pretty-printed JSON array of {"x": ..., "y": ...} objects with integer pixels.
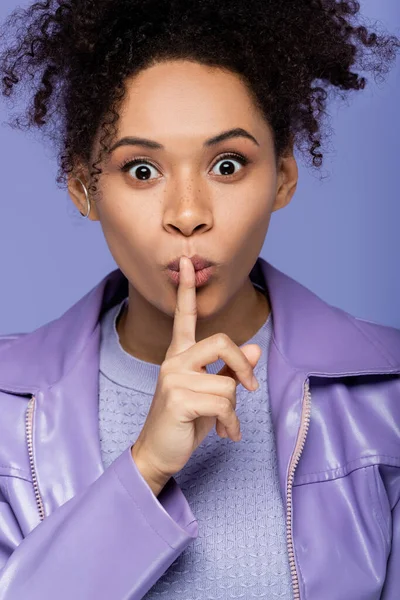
[{"x": 112, "y": 540}]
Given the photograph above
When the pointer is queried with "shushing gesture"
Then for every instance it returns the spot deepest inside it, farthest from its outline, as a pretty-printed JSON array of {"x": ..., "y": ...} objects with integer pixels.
[{"x": 188, "y": 402}]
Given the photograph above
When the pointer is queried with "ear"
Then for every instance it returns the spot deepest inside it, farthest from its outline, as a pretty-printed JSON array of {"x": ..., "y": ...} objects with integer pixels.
[
  {"x": 78, "y": 196},
  {"x": 288, "y": 175}
]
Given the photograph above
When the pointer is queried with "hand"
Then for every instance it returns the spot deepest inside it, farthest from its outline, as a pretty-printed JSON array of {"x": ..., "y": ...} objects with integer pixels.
[{"x": 188, "y": 401}]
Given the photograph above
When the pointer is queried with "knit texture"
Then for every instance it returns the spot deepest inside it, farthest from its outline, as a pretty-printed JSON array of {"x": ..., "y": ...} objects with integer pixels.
[{"x": 232, "y": 487}]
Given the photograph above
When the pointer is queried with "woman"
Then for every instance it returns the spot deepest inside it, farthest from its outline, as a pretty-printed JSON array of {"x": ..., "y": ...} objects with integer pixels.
[{"x": 117, "y": 477}]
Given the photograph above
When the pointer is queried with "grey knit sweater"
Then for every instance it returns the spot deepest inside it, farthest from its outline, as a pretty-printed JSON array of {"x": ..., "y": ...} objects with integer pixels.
[{"x": 232, "y": 487}]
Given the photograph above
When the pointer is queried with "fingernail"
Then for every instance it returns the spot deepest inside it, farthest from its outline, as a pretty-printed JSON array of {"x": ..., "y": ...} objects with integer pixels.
[{"x": 254, "y": 383}]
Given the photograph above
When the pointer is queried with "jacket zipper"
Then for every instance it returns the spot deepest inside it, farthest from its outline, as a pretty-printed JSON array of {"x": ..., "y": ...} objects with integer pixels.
[
  {"x": 29, "y": 437},
  {"x": 304, "y": 424}
]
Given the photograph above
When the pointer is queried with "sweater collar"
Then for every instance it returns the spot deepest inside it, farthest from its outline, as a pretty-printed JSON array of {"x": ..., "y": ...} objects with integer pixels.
[{"x": 130, "y": 372}]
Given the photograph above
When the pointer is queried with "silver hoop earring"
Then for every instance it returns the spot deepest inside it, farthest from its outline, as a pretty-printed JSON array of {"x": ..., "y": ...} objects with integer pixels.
[{"x": 87, "y": 198}]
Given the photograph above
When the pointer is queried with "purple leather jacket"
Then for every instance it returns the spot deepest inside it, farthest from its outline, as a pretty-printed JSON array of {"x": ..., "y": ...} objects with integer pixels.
[{"x": 70, "y": 529}]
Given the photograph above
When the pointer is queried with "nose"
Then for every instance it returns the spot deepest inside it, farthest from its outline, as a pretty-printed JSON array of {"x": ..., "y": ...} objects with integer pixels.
[{"x": 191, "y": 212}]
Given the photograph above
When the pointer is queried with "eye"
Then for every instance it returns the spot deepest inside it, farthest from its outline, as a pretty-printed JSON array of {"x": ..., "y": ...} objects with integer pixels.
[
  {"x": 142, "y": 167},
  {"x": 226, "y": 164},
  {"x": 142, "y": 172}
]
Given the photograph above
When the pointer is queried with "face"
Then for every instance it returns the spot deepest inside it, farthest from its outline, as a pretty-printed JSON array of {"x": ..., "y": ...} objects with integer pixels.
[{"x": 189, "y": 196}]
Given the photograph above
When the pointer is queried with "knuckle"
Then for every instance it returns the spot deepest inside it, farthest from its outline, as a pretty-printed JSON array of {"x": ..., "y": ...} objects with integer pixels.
[
  {"x": 168, "y": 380},
  {"x": 230, "y": 386},
  {"x": 192, "y": 310},
  {"x": 169, "y": 366},
  {"x": 188, "y": 310},
  {"x": 165, "y": 367},
  {"x": 223, "y": 340},
  {"x": 225, "y": 406}
]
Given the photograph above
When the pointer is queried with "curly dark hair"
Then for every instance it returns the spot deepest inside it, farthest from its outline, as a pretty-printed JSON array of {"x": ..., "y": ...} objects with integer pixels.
[{"x": 289, "y": 55}]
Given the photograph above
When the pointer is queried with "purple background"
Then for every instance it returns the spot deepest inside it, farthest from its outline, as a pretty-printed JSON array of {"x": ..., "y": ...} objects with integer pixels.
[{"x": 339, "y": 237}]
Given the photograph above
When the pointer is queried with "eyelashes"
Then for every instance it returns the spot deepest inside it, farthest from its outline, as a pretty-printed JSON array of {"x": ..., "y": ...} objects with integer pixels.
[{"x": 128, "y": 164}]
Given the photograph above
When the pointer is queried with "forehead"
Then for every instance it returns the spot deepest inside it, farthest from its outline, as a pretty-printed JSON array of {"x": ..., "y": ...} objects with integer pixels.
[{"x": 188, "y": 97}]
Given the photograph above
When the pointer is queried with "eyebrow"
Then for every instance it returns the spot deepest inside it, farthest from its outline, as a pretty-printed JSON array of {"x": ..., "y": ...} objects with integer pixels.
[{"x": 225, "y": 135}]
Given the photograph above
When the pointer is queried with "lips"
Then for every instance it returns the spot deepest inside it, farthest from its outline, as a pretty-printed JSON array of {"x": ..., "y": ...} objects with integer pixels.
[
  {"x": 201, "y": 277},
  {"x": 198, "y": 262}
]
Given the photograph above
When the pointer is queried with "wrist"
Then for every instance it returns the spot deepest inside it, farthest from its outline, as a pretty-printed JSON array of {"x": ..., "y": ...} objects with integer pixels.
[{"x": 154, "y": 480}]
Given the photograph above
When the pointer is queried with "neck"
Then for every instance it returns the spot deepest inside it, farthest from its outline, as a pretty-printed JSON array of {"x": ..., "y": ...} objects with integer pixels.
[{"x": 145, "y": 332}]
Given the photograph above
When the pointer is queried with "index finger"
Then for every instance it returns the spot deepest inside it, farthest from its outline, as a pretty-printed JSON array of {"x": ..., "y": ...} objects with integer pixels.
[{"x": 185, "y": 319}]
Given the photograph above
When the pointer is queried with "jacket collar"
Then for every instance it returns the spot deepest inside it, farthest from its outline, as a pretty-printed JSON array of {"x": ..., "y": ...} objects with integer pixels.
[{"x": 310, "y": 335}]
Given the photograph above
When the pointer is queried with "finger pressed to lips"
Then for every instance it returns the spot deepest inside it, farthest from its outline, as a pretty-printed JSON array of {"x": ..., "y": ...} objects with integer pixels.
[{"x": 184, "y": 333}]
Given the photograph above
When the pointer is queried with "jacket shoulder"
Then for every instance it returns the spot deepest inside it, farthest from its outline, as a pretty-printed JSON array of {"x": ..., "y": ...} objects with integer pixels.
[
  {"x": 385, "y": 338},
  {"x": 6, "y": 339}
]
